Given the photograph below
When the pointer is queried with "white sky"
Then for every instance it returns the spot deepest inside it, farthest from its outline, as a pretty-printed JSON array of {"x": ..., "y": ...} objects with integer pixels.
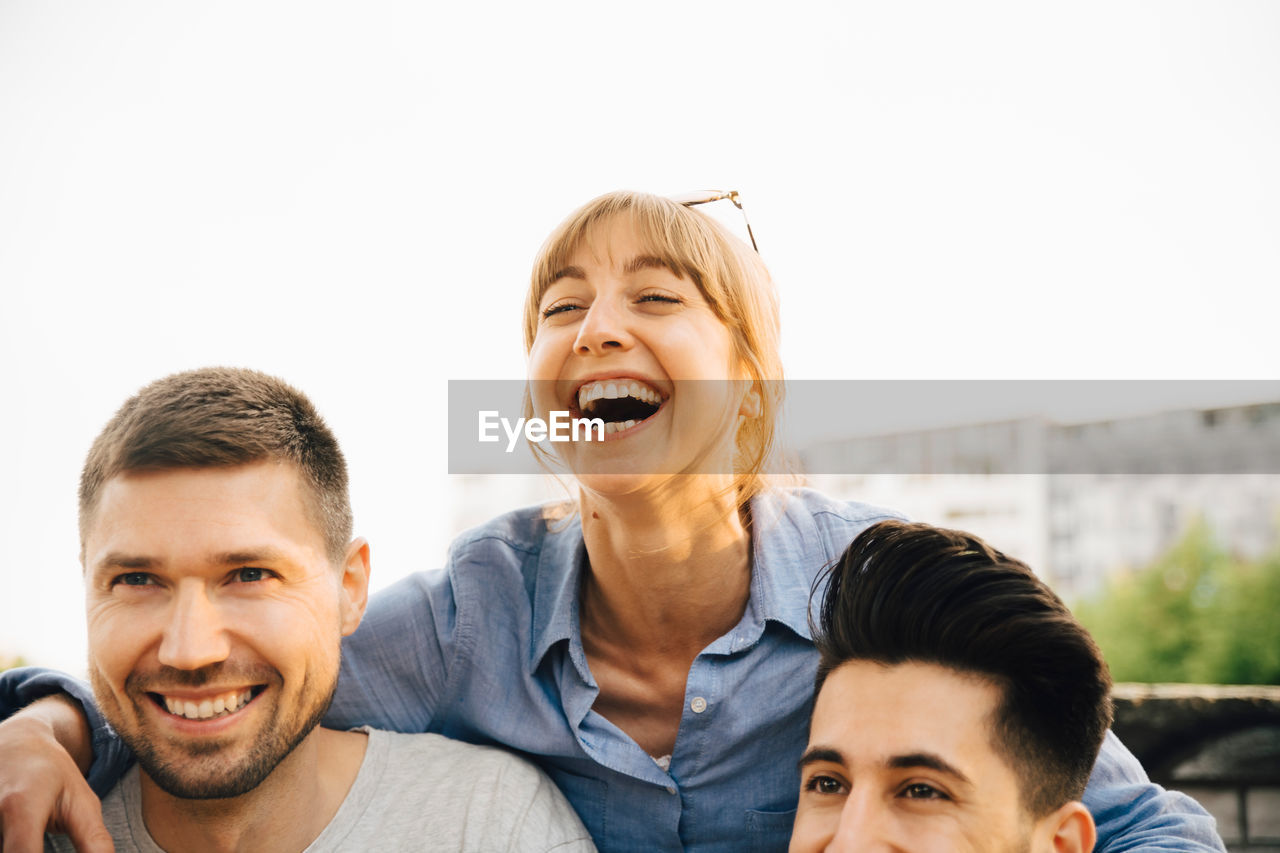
[{"x": 350, "y": 196}]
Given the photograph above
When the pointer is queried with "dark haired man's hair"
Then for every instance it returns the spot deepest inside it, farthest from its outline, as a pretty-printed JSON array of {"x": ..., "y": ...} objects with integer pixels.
[
  {"x": 915, "y": 593},
  {"x": 223, "y": 417}
]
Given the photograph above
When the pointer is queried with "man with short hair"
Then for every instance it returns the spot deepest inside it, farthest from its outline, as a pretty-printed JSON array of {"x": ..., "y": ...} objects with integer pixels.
[
  {"x": 959, "y": 705},
  {"x": 220, "y": 577}
]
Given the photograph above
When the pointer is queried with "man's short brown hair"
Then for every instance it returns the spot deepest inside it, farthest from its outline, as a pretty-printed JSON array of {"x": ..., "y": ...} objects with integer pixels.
[{"x": 223, "y": 417}]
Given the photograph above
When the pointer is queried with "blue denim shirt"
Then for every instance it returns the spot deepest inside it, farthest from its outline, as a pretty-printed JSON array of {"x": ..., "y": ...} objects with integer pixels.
[{"x": 489, "y": 650}]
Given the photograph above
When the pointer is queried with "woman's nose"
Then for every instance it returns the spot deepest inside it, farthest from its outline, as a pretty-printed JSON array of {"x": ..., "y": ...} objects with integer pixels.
[{"x": 604, "y": 328}]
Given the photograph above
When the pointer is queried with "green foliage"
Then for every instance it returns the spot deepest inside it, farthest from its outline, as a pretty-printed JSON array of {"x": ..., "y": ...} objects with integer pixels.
[
  {"x": 1195, "y": 615},
  {"x": 11, "y": 663}
]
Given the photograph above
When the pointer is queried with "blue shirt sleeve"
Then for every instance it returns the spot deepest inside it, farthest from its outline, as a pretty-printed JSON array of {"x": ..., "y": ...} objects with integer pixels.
[
  {"x": 395, "y": 666},
  {"x": 111, "y": 758},
  {"x": 1132, "y": 813}
]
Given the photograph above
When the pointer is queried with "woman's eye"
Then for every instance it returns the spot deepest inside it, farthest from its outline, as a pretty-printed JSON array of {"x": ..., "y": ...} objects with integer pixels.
[
  {"x": 824, "y": 785},
  {"x": 921, "y": 791},
  {"x": 562, "y": 308},
  {"x": 660, "y": 297},
  {"x": 250, "y": 574}
]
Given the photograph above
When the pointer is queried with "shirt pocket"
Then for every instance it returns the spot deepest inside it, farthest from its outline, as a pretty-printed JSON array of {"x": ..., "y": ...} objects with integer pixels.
[{"x": 769, "y": 832}]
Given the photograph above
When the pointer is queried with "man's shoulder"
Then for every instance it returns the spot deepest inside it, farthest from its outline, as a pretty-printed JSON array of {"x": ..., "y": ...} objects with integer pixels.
[
  {"x": 461, "y": 795},
  {"x": 455, "y": 760}
]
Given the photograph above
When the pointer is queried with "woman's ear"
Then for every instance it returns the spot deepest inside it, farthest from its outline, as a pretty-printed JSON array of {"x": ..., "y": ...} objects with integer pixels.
[
  {"x": 355, "y": 585},
  {"x": 751, "y": 405},
  {"x": 1070, "y": 829}
]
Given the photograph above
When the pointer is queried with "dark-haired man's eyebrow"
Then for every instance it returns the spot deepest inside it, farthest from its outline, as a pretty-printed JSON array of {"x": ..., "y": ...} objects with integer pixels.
[
  {"x": 820, "y": 753},
  {"x": 567, "y": 272},
  {"x": 930, "y": 761},
  {"x": 648, "y": 262}
]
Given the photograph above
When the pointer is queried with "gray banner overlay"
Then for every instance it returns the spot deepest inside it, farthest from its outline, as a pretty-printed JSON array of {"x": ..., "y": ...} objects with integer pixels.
[{"x": 907, "y": 427}]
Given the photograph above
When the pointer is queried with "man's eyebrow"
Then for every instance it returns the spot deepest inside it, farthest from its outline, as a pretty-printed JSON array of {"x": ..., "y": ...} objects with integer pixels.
[
  {"x": 929, "y": 760},
  {"x": 265, "y": 554},
  {"x": 819, "y": 753},
  {"x": 120, "y": 560}
]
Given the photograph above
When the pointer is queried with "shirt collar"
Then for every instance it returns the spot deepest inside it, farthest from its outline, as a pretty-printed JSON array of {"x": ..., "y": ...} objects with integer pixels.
[
  {"x": 555, "y": 602},
  {"x": 787, "y": 553}
]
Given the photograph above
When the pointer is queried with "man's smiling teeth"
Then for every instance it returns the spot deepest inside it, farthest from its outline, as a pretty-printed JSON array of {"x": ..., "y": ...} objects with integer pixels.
[
  {"x": 612, "y": 389},
  {"x": 227, "y": 703}
]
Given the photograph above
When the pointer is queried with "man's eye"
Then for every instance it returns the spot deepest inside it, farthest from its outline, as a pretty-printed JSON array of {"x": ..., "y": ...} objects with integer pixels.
[
  {"x": 921, "y": 791},
  {"x": 250, "y": 574},
  {"x": 824, "y": 785},
  {"x": 132, "y": 579}
]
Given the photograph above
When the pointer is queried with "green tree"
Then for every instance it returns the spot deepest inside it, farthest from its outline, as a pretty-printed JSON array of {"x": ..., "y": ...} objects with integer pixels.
[
  {"x": 1197, "y": 614},
  {"x": 10, "y": 662}
]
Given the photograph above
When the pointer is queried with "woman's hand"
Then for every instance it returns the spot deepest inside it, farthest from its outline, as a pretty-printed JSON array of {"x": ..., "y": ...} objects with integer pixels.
[{"x": 44, "y": 750}]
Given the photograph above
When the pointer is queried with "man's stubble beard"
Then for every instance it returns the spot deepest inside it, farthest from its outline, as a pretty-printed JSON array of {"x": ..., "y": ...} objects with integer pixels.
[{"x": 185, "y": 775}]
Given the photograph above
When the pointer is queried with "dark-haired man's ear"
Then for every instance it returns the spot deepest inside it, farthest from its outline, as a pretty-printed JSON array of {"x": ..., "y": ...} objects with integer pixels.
[
  {"x": 355, "y": 585},
  {"x": 1070, "y": 829}
]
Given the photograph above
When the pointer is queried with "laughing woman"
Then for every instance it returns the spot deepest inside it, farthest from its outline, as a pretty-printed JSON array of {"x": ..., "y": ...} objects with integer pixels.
[{"x": 650, "y": 648}]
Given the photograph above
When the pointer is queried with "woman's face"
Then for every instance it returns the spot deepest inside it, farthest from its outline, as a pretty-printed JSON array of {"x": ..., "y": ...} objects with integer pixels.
[{"x": 623, "y": 338}]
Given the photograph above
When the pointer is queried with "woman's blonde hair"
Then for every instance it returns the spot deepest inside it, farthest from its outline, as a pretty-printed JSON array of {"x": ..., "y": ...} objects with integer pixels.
[{"x": 729, "y": 275}]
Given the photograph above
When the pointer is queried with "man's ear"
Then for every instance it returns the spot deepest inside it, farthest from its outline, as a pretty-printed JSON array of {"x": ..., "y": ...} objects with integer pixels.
[
  {"x": 1070, "y": 829},
  {"x": 355, "y": 585}
]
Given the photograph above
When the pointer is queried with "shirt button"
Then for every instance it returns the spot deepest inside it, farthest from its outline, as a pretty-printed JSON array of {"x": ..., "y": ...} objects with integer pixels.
[
  {"x": 671, "y": 789},
  {"x": 698, "y": 705}
]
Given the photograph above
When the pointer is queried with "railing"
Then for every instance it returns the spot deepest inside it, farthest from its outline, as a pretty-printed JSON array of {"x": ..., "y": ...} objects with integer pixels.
[{"x": 1220, "y": 744}]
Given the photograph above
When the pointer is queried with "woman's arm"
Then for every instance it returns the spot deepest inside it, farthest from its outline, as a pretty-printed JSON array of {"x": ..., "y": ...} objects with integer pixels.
[
  {"x": 45, "y": 748},
  {"x": 395, "y": 665},
  {"x": 1132, "y": 813}
]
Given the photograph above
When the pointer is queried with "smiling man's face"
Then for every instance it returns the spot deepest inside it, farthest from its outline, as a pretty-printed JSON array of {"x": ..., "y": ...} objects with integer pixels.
[
  {"x": 215, "y": 617},
  {"x": 902, "y": 758}
]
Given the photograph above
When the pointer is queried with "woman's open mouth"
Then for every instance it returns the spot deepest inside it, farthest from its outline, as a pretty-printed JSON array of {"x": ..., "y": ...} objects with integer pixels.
[{"x": 620, "y": 403}]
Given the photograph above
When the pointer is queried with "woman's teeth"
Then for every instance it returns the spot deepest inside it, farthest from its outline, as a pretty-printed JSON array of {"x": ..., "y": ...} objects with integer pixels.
[
  {"x": 614, "y": 426},
  {"x": 218, "y": 706},
  {"x": 614, "y": 389}
]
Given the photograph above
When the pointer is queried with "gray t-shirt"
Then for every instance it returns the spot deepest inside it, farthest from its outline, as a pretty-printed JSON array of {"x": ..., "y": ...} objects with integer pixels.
[{"x": 413, "y": 792}]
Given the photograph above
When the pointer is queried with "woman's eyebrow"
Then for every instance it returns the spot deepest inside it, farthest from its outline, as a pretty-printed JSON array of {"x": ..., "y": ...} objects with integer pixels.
[
  {"x": 567, "y": 272},
  {"x": 647, "y": 262}
]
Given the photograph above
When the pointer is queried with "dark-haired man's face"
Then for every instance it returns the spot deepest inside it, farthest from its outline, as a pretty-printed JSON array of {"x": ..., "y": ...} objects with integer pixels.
[
  {"x": 902, "y": 758},
  {"x": 215, "y": 618}
]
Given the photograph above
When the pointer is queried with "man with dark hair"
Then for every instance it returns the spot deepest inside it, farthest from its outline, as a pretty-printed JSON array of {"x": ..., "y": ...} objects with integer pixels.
[
  {"x": 959, "y": 705},
  {"x": 220, "y": 577}
]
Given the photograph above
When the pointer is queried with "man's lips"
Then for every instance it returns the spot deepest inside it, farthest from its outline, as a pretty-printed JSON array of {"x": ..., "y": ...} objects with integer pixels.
[{"x": 204, "y": 704}]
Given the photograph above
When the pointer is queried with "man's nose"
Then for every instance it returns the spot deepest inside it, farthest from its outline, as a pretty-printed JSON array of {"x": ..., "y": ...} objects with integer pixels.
[
  {"x": 865, "y": 826},
  {"x": 603, "y": 329},
  {"x": 194, "y": 635}
]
